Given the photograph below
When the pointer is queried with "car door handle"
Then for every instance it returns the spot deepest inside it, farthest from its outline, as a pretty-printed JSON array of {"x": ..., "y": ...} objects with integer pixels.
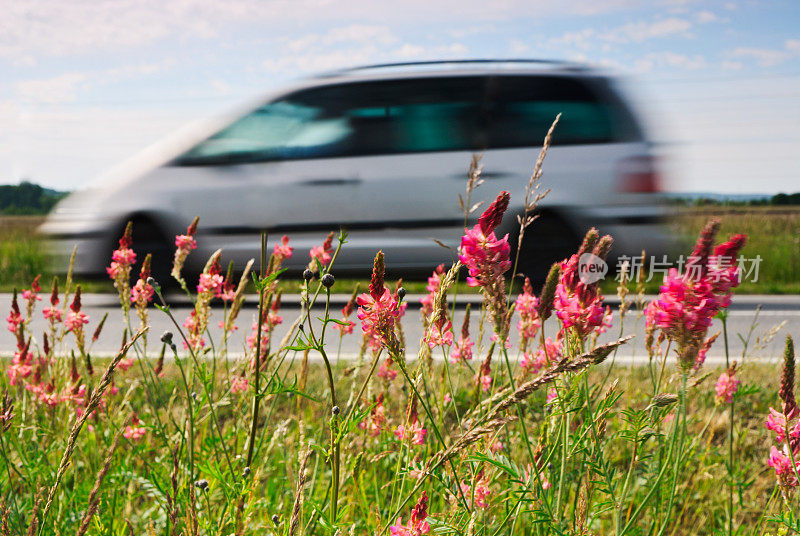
[{"x": 331, "y": 182}]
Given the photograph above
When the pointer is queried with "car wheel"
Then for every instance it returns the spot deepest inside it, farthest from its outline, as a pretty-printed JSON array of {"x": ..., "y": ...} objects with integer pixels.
[
  {"x": 149, "y": 238},
  {"x": 547, "y": 240}
]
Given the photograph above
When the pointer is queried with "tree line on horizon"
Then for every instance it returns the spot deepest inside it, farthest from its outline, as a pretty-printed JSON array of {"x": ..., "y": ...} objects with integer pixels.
[{"x": 27, "y": 198}]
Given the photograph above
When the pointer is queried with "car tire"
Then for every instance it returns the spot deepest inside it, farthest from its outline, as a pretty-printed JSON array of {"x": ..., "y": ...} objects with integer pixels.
[
  {"x": 547, "y": 240},
  {"x": 149, "y": 238}
]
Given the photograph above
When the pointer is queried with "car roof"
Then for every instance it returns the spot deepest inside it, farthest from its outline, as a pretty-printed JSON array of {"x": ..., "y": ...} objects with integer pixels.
[{"x": 443, "y": 68}]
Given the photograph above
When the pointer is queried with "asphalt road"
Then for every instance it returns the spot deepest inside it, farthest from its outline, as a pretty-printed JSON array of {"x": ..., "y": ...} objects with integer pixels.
[{"x": 774, "y": 311}]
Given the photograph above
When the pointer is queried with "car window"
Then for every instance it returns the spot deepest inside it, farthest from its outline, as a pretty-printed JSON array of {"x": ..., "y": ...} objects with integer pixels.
[
  {"x": 355, "y": 119},
  {"x": 522, "y": 108}
]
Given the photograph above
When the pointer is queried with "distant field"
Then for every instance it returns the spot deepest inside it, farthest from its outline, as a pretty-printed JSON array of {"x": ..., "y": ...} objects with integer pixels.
[{"x": 774, "y": 234}]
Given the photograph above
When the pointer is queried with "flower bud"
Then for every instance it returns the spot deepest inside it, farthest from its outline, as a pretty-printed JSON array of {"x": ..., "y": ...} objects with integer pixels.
[
  {"x": 246, "y": 471},
  {"x": 401, "y": 293},
  {"x": 328, "y": 280},
  {"x": 308, "y": 274},
  {"x": 378, "y": 271},
  {"x": 275, "y": 518},
  {"x": 335, "y": 410},
  {"x": 493, "y": 215},
  {"x": 201, "y": 484},
  {"x": 663, "y": 399},
  {"x": 166, "y": 338},
  {"x": 545, "y": 308},
  {"x": 786, "y": 391}
]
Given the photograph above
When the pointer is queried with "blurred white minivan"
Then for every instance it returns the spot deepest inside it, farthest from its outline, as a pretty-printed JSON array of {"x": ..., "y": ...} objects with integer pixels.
[{"x": 384, "y": 151}]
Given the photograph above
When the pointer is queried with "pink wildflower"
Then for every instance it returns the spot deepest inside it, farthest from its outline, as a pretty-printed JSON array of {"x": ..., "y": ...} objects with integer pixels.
[
  {"x": 462, "y": 350},
  {"x": 386, "y": 371},
  {"x": 440, "y": 334},
  {"x": 776, "y": 421},
  {"x": 125, "y": 363},
  {"x": 21, "y": 364},
  {"x": 53, "y": 314},
  {"x": 527, "y": 305},
  {"x": 782, "y": 463},
  {"x": 75, "y": 321},
  {"x": 239, "y": 384},
  {"x": 578, "y": 302},
  {"x": 31, "y": 296},
  {"x": 271, "y": 319},
  {"x": 378, "y": 309},
  {"x": 141, "y": 291},
  {"x": 417, "y": 525},
  {"x": 282, "y": 251},
  {"x": 703, "y": 352},
  {"x": 377, "y": 418},
  {"x": 434, "y": 281},
  {"x": 122, "y": 259},
  {"x": 413, "y": 430},
  {"x": 323, "y": 253},
  {"x": 687, "y": 302},
  {"x": 727, "y": 385},
  {"x": 14, "y": 320},
  {"x": 485, "y": 256},
  {"x": 552, "y": 395},
  {"x": 184, "y": 244},
  {"x": 209, "y": 283},
  {"x": 530, "y": 477},
  {"x": 481, "y": 492},
  {"x": 347, "y": 310},
  {"x": 484, "y": 374},
  {"x": 134, "y": 431}
]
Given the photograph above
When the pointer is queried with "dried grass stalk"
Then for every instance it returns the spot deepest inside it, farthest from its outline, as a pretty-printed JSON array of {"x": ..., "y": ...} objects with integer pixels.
[
  {"x": 94, "y": 500},
  {"x": 94, "y": 402},
  {"x": 302, "y": 479}
]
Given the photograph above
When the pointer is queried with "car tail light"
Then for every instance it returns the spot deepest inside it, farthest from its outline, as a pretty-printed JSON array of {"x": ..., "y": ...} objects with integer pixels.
[{"x": 638, "y": 175}]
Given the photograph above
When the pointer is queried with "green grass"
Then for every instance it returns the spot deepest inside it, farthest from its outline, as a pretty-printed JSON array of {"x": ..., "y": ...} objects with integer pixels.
[{"x": 615, "y": 450}]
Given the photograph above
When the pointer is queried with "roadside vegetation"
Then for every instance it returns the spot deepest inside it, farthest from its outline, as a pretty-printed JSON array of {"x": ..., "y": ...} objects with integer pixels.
[{"x": 183, "y": 434}]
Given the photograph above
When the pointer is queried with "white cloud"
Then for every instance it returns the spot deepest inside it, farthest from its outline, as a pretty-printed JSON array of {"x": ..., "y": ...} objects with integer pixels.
[
  {"x": 637, "y": 32},
  {"x": 669, "y": 59},
  {"x": 704, "y": 17},
  {"x": 62, "y": 88},
  {"x": 765, "y": 57},
  {"x": 137, "y": 70},
  {"x": 582, "y": 39},
  {"x": 728, "y": 65},
  {"x": 793, "y": 46},
  {"x": 409, "y": 51},
  {"x": 344, "y": 35},
  {"x": 60, "y": 28}
]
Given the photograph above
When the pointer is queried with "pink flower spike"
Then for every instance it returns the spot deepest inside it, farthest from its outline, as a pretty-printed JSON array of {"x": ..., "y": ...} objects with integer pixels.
[
  {"x": 75, "y": 321},
  {"x": 727, "y": 385},
  {"x": 239, "y": 384},
  {"x": 134, "y": 431},
  {"x": 782, "y": 464},
  {"x": 417, "y": 525},
  {"x": 283, "y": 250}
]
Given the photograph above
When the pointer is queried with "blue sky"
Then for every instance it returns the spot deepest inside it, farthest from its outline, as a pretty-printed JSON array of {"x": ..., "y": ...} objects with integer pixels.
[{"x": 84, "y": 85}]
